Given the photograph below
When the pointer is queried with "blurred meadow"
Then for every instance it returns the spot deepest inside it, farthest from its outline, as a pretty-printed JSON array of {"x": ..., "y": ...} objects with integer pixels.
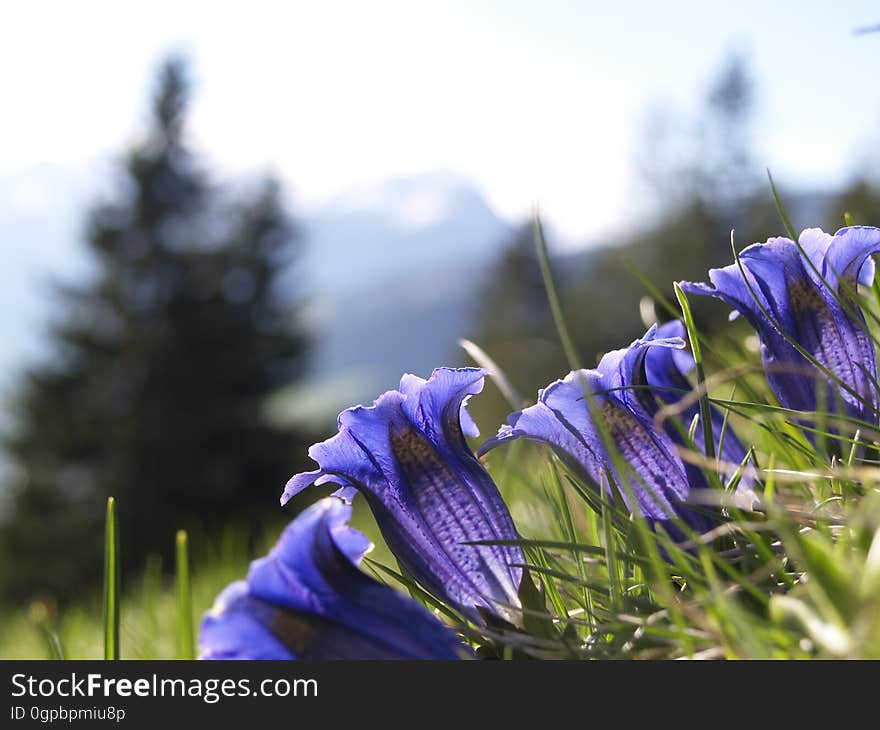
[{"x": 210, "y": 252}]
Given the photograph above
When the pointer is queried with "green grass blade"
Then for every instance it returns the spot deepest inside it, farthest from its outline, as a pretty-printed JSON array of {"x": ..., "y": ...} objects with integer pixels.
[
  {"x": 780, "y": 208},
  {"x": 569, "y": 529},
  {"x": 611, "y": 559},
  {"x": 693, "y": 336},
  {"x": 551, "y": 589},
  {"x": 571, "y": 355},
  {"x": 185, "y": 633},
  {"x": 111, "y": 583}
]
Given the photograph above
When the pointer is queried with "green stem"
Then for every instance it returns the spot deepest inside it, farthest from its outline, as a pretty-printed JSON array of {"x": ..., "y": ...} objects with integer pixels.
[
  {"x": 111, "y": 583},
  {"x": 186, "y": 638},
  {"x": 693, "y": 337},
  {"x": 780, "y": 208}
]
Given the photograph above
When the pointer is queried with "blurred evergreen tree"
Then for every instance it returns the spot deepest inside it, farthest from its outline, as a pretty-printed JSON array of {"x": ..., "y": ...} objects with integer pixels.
[
  {"x": 724, "y": 166},
  {"x": 515, "y": 297},
  {"x": 516, "y": 327},
  {"x": 161, "y": 367}
]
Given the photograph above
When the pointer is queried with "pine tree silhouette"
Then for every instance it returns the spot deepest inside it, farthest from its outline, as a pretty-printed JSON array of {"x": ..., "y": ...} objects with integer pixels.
[{"x": 161, "y": 368}]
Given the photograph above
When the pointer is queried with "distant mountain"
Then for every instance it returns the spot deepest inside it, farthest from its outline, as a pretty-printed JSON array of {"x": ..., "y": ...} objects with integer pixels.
[
  {"x": 395, "y": 270},
  {"x": 389, "y": 228}
]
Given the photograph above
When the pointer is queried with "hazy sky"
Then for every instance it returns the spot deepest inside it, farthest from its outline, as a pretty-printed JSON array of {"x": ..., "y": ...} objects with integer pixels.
[{"x": 537, "y": 101}]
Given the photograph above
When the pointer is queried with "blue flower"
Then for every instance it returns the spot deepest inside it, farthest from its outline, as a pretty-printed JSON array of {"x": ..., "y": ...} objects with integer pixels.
[
  {"x": 307, "y": 599},
  {"x": 622, "y": 408},
  {"x": 666, "y": 372},
  {"x": 804, "y": 293},
  {"x": 408, "y": 456}
]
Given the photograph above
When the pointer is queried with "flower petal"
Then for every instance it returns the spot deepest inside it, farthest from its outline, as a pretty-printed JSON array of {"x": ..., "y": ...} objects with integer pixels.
[
  {"x": 431, "y": 498},
  {"x": 849, "y": 255},
  {"x": 563, "y": 420},
  {"x": 623, "y": 371},
  {"x": 442, "y": 399},
  {"x": 233, "y": 629},
  {"x": 792, "y": 303},
  {"x": 308, "y": 600}
]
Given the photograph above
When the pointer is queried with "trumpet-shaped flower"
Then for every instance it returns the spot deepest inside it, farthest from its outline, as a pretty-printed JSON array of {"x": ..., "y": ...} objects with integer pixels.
[
  {"x": 617, "y": 418},
  {"x": 802, "y": 293},
  {"x": 308, "y": 600},
  {"x": 431, "y": 498}
]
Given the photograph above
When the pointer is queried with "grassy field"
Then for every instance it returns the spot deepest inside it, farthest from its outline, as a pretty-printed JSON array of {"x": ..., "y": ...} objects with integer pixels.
[{"x": 801, "y": 579}]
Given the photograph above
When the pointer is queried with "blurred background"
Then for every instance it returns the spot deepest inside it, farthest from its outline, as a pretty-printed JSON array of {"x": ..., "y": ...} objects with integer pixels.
[{"x": 222, "y": 223}]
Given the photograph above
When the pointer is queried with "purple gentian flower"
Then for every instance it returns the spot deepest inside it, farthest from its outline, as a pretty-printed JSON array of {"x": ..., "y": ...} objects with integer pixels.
[
  {"x": 665, "y": 373},
  {"x": 307, "y": 599},
  {"x": 806, "y": 297},
  {"x": 430, "y": 496},
  {"x": 563, "y": 420}
]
